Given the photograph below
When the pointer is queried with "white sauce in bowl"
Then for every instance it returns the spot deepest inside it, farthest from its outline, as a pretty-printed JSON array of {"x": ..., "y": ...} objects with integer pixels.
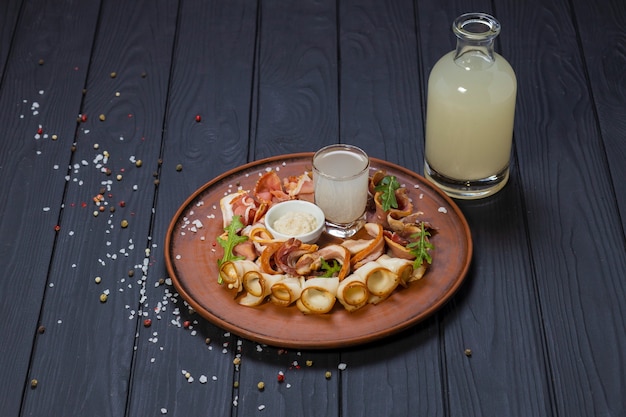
[{"x": 295, "y": 223}]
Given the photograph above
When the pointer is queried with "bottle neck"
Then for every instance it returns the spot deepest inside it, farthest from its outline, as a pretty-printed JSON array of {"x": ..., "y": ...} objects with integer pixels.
[{"x": 476, "y": 33}]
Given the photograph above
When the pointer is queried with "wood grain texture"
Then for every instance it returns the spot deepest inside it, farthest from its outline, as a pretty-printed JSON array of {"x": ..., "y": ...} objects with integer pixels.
[
  {"x": 495, "y": 315},
  {"x": 381, "y": 112},
  {"x": 305, "y": 391},
  {"x": 9, "y": 14},
  {"x": 72, "y": 362},
  {"x": 296, "y": 92},
  {"x": 212, "y": 72},
  {"x": 542, "y": 307},
  {"x": 398, "y": 376},
  {"x": 579, "y": 289},
  {"x": 603, "y": 37},
  {"x": 33, "y": 168},
  {"x": 380, "y": 98}
]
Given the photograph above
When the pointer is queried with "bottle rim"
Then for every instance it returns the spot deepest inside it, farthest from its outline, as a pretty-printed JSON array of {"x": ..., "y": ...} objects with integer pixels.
[{"x": 476, "y": 26}]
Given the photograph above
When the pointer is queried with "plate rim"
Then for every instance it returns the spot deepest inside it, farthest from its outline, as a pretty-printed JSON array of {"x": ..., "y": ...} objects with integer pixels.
[{"x": 321, "y": 344}]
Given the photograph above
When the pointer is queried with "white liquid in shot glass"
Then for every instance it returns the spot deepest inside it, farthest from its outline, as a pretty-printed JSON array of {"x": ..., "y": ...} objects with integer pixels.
[{"x": 341, "y": 185}]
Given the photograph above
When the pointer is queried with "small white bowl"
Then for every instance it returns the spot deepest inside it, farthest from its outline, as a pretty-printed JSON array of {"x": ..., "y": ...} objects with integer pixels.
[{"x": 295, "y": 206}]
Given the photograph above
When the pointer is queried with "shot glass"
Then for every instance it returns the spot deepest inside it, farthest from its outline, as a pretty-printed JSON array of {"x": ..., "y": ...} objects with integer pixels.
[{"x": 340, "y": 177}]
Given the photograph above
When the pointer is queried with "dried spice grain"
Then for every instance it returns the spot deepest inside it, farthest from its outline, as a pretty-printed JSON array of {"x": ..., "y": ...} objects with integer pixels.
[
  {"x": 261, "y": 385},
  {"x": 179, "y": 167}
]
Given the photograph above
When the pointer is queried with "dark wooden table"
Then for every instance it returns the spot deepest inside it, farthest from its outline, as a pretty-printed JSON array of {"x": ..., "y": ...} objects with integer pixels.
[{"x": 542, "y": 309}]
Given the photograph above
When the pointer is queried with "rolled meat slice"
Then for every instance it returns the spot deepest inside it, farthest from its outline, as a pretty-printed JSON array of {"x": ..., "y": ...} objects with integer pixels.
[
  {"x": 379, "y": 280},
  {"x": 318, "y": 295},
  {"x": 401, "y": 267},
  {"x": 258, "y": 286},
  {"x": 287, "y": 291},
  {"x": 232, "y": 272},
  {"x": 352, "y": 292},
  {"x": 366, "y": 250}
]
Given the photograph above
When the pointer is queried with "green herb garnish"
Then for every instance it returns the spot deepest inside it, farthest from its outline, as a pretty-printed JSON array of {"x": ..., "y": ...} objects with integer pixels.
[
  {"x": 330, "y": 270},
  {"x": 388, "y": 186},
  {"x": 421, "y": 246},
  {"x": 232, "y": 239}
]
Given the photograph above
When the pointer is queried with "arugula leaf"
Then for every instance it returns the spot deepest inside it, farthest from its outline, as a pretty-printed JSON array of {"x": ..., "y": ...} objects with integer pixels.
[
  {"x": 388, "y": 186},
  {"x": 330, "y": 270},
  {"x": 229, "y": 243},
  {"x": 421, "y": 246}
]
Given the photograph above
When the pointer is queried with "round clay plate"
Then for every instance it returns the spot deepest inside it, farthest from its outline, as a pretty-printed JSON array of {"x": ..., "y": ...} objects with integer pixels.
[{"x": 192, "y": 254}]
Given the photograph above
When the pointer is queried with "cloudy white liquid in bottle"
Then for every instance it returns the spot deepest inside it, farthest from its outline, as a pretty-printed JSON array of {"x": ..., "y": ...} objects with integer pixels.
[{"x": 470, "y": 113}]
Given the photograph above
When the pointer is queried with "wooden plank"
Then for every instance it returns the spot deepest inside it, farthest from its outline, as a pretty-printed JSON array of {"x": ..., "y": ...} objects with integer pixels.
[
  {"x": 381, "y": 111},
  {"x": 9, "y": 15},
  {"x": 33, "y": 167},
  {"x": 495, "y": 315},
  {"x": 212, "y": 75},
  {"x": 570, "y": 225},
  {"x": 83, "y": 360},
  {"x": 294, "y": 110},
  {"x": 296, "y": 86},
  {"x": 381, "y": 101},
  {"x": 603, "y": 37}
]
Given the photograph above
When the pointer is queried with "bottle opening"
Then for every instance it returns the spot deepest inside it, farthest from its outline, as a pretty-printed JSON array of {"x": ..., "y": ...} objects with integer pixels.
[{"x": 476, "y": 26}]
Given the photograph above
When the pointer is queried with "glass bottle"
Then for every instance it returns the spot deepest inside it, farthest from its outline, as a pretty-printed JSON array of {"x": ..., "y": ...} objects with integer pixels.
[{"x": 470, "y": 112}]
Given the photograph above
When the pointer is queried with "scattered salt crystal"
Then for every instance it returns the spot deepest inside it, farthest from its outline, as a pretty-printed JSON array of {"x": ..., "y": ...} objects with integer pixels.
[
  {"x": 442, "y": 210},
  {"x": 342, "y": 366},
  {"x": 203, "y": 379},
  {"x": 46, "y": 209},
  {"x": 261, "y": 407},
  {"x": 163, "y": 410}
]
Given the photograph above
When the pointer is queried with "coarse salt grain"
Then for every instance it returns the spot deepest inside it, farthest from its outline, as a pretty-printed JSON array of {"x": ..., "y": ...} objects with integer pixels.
[
  {"x": 442, "y": 210},
  {"x": 342, "y": 366}
]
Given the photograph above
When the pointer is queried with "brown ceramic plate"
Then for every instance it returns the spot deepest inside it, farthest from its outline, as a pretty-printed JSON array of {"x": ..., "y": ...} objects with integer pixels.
[{"x": 191, "y": 258}]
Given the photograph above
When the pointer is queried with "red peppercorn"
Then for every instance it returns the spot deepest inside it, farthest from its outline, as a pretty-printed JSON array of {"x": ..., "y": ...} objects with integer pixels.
[
  {"x": 147, "y": 323},
  {"x": 198, "y": 118},
  {"x": 57, "y": 228},
  {"x": 39, "y": 131},
  {"x": 280, "y": 377},
  {"x": 122, "y": 203},
  {"x": 186, "y": 324},
  {"x": 83, "y": 118}
]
